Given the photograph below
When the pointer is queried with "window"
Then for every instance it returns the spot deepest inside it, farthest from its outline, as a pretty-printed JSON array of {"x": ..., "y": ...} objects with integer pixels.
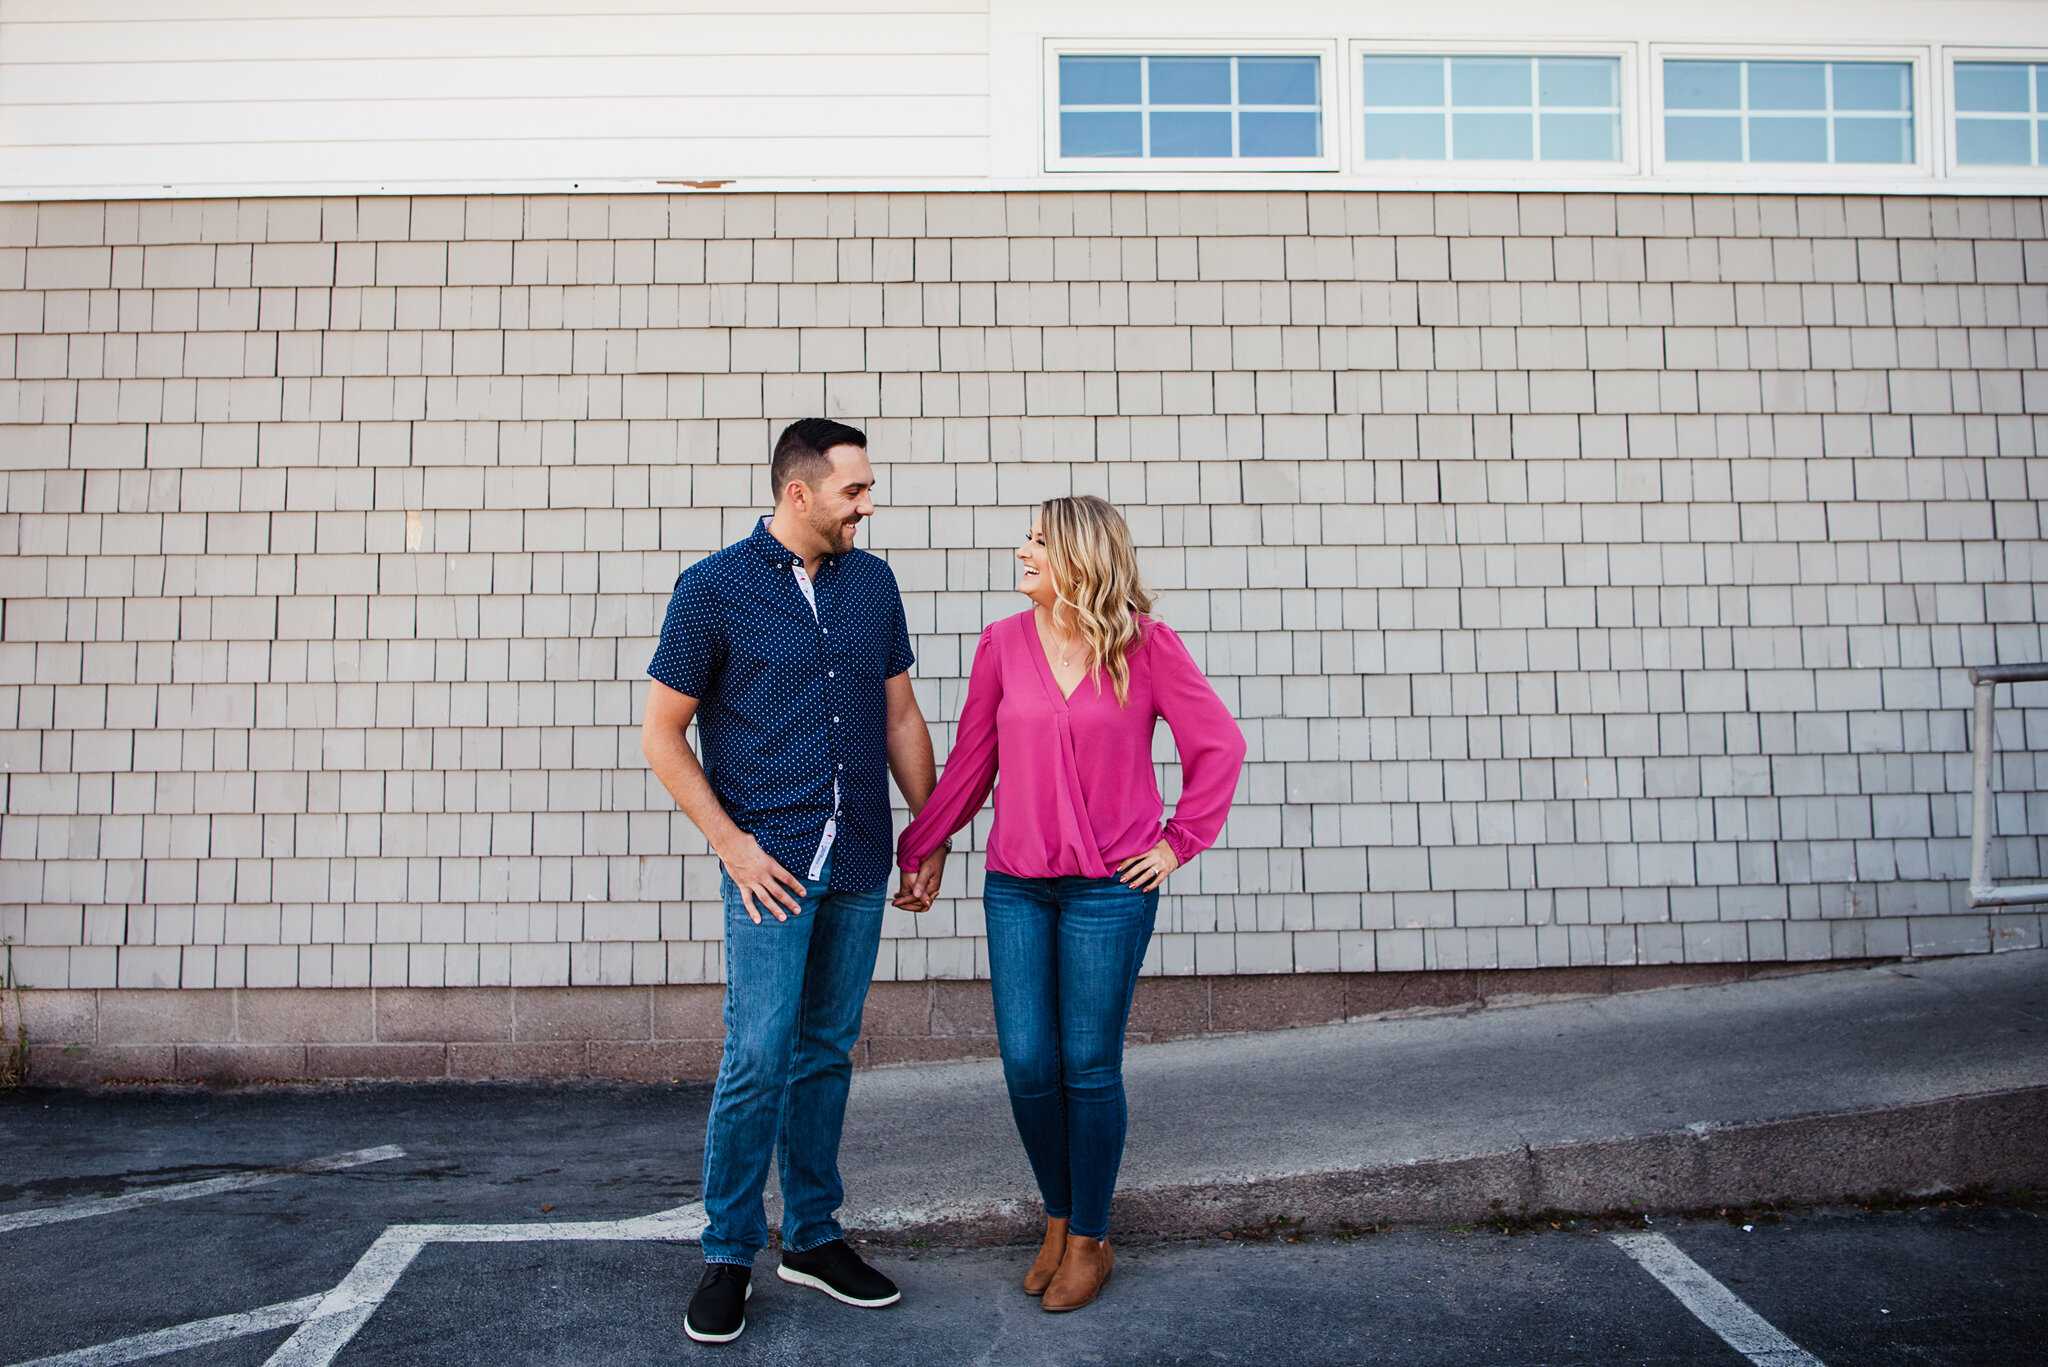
[
  {"x": 1487, "y": 108},
  {"x": 1813, "y": 112},
  {"x": 1190, "y": 106},
  {"x": 1998, "y": 113}
]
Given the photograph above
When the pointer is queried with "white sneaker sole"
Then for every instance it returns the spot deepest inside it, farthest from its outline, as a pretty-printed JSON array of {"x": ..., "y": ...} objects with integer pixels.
[
  {"x": 790, "y": 1274},
  {"x": 703, "y": 1337}
]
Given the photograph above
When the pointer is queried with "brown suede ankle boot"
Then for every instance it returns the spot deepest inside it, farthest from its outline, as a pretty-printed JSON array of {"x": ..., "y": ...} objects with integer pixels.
[
  {"x": 1082, "y": 1273},
  {"x": 1048, "y": 1260}
]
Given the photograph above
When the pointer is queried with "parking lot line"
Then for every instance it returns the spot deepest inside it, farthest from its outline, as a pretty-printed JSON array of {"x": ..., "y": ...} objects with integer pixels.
[
  {"x": 329, "y": 1320},
  {"x": 187, "y": 1191},
  {"x": 1720, "y": 1309},
  {"x": 178, "y": 1338}
]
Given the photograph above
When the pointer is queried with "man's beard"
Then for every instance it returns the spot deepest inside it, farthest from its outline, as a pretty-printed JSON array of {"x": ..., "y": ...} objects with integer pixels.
[{"x": 835, "y": 532}]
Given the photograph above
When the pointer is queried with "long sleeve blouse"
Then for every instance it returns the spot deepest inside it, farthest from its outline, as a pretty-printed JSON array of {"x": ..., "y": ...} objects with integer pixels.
[{"x": 1074, "y": 785}]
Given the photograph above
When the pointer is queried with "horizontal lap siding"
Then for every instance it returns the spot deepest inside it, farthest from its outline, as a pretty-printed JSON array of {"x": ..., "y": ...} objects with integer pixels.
[
  {"x": 1595, "y": 575},
  {"x": 306, "y": 94}
]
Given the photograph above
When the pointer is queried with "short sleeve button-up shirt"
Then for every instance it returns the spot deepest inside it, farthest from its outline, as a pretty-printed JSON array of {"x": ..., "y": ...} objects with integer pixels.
[{"x": 790, "y": 701}]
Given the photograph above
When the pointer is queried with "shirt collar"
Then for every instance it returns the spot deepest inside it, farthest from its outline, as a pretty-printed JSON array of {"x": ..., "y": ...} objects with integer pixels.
[{"x": 780, "y": 556}]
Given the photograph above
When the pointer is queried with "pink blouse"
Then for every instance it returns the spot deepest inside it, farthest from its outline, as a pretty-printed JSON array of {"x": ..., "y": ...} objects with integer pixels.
[{"x": 1078, "y": 792}]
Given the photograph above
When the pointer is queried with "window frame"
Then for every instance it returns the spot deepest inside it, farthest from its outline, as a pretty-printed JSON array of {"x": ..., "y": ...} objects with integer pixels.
[
  {"x": 1630, "y": 164},
  {"x": 1919, "y": 59},
  {"x": 1953, "y": 167},
  {"x": 1328, "y": 75}
]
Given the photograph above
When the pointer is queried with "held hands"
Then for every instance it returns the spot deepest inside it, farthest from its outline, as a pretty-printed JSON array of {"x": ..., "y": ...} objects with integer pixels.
[
  {"x": 921, "y": 888},
  {"x": 1144, "y": 872},
  {"x": 760, "y": 877}
]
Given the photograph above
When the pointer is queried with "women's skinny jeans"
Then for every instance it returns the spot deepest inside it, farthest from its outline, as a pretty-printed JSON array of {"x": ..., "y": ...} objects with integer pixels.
[{"x": 1063, "y": 956}]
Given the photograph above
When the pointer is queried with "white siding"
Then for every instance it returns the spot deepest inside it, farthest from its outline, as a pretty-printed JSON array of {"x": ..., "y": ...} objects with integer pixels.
[{"x": 193, "y": 96}]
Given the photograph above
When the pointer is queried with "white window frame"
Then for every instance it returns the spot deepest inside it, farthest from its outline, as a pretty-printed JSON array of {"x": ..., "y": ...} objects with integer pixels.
[
  {"x": 1925, "y": 111},
  {"x": 1953, "y": 165},
  {"x": 1324, "y": 50},
  {"x": 1631, "y": 163}
]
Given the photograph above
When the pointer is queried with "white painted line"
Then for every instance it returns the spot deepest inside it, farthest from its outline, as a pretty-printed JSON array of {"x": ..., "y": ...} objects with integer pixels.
[
  {"x": 188, "y": 1191},
  {"x": 197, "y": 1334},
  {"x": 1713, "y": 1304},
  {"x": 349, "y": 1306},
  {"x": 326, "y": 1323}
]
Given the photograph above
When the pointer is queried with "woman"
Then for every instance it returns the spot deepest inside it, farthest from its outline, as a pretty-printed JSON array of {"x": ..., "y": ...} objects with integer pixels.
[{"x": 1061, "y": 701}]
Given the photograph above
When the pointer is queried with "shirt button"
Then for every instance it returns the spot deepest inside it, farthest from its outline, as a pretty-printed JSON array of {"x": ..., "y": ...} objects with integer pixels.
[
  {"x": 835, "y": 721},
  {"x": 830, "y": 675}
]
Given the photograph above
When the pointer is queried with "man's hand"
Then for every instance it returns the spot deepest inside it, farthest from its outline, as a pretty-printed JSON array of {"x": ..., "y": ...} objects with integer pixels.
[
  {"x": 921, "y": 887},
  {"x": 758, "y": 875}
]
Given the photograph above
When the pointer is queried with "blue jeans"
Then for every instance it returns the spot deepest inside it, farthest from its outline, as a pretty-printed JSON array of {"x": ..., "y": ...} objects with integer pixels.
[
  {"x": 793, "y": 996},
  {"x": 1063, "y": 957}
]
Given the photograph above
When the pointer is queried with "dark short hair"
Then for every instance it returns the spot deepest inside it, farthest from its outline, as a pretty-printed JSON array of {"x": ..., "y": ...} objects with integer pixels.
[{"x": 800, "y": 451}]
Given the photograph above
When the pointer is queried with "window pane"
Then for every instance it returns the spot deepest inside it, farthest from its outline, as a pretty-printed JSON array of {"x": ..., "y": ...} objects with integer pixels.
[
  {"x": 1500, "y": 82},
  {"x": 1279, "y": 135},
  {"x": 1190, "y": 80},
  {"x": 1100, "y": 135},
  {"x": 1399, "y": 81},
  {"x": 1405, "y": 137},
  {"x": 1702, "y": 139},
  {"x": 1099, "y": 80},
  {"x": 1276, "y": 80},
  {"x": 1874, "y": 140},
  {"x": 1582, "y": 137},
  {"x": 1992, "y": 86},
  {"x": 1788, "y": 85},
  {"x": 1492, "y": 137},
  {"x": 1191, "y": 135},
  {"x": 1993, "y": 142},
  {"x": 1582, "y": 81},
  {"x": 1703, "y": 85},
  {"x": 1873, "y": 85},
  {"x": 1788, "y": 139}
]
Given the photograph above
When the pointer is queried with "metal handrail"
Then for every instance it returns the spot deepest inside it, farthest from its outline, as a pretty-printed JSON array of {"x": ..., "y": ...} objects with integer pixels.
[{"x": 1984, "y": 892}]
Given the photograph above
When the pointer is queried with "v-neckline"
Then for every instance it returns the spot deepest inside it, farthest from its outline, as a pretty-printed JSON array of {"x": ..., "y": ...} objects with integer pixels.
[{"x": 1047, "y": 673}]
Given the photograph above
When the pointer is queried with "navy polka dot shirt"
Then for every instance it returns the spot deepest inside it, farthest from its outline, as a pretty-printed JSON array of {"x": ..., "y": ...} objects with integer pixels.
[{"x": 789, "y": 702}]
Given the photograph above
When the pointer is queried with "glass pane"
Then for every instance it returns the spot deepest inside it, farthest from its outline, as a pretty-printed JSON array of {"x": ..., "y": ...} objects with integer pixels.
[
  {"x": 1497, "y": 82},
  {"x": 1099, "y": 80},
  {"x": 1703, "y": 85},
  {"x": 1402, "y": 81},
  {"x": 1993, "y": 142},
  {"x": 1788, "y": 85},
  {"x": 1873, "y": 85},
  {"x": 1279, "y": 135},
  {"x": 1701, "y": 139},
  {"x": 1190, "y": 80},
  {"x": 1191, "y": 135},
  {"x": 1992, "y": 86},
  {"x": 1582, "y": 137},
  {"x": 1404, "y": 137},
  {"x": 1277, "y": 80},
  {"x": 1492, "y": 137},
  {"x": 1873, "y": 140},
  {"x": 1581, "y": 81},
  {"x": 1100, "y": 135},
  {"x": 1788, "y": 139}
]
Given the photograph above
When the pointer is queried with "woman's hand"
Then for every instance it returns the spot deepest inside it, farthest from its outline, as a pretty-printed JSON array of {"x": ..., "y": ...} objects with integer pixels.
[{"x": 1149, "y": 870}]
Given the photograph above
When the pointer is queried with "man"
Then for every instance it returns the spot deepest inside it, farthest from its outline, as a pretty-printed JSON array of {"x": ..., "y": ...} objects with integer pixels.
[{"x": 790, "y": 651}]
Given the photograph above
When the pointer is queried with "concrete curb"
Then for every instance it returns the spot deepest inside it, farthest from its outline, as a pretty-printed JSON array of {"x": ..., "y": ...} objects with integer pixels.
[{"x": 1990, "y": 1138}]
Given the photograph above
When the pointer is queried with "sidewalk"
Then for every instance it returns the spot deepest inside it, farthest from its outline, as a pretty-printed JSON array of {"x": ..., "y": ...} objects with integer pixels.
[{"x": 1910, "y": 1077}]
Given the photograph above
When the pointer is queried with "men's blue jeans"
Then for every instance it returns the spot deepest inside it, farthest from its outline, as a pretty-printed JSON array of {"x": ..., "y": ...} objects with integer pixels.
[
  {"x": 793, "y": 996},
  {"x": 1063, "y": 956}
]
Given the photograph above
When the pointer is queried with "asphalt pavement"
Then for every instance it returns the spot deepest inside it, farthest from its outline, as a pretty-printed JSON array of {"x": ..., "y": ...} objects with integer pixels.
[{"x": 503, "y": 1224}]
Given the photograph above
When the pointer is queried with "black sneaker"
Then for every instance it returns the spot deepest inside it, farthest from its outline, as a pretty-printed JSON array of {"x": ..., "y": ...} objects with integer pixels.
[
  {"x": 719, "y": 1309},
  {"x": 838, "y": 1271}
]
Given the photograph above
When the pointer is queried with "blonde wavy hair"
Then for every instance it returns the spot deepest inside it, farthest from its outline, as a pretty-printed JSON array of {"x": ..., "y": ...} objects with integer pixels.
[{"x": 1098, "y": 593}]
